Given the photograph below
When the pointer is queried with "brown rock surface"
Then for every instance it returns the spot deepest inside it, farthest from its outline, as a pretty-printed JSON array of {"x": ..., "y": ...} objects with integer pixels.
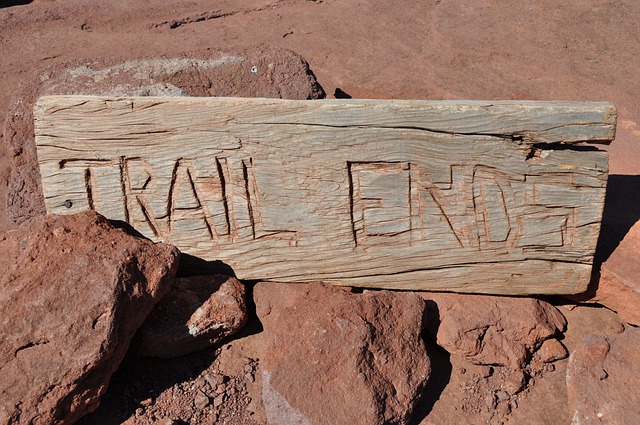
[
  {"x": 198, "y": 312},
  {"x": 278, "y": 73},
  {"x": 72, "y": 293},
  {"x": 552, "y": 350},
  {"x": 489, "y": 330},
  {"x": 602, "y": 380},
  {"x": 619, "y": 284},
  {"x": 341, "y": 358}
]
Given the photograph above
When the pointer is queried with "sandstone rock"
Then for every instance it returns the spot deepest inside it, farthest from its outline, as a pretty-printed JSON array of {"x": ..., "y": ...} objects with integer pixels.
[
  {"x": 585, "y": 320},
  {"x": 197, "y": 313},
  {"x": 73, "y": 291},
  {"x": 603, "y": 376},
  {"x": 514, "y": 382},
  {"x": 619, "y": 284},
  {"x": 552, "y": 350},
  {"x": 258, "y": 72},
  {"x": 340, "y": 358},
  {"x": 489, "y": 330}
]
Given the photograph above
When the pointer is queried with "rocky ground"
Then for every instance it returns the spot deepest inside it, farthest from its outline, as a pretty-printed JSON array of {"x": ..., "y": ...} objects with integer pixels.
[{"x": 306, "y": 353}]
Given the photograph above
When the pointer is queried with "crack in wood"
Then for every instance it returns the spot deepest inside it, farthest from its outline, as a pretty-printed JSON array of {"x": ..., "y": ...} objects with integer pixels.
[
  {"x": 223, "y": 189},
  {"x": 88, "y": 188},
  {"x": 123, "y": 185}
]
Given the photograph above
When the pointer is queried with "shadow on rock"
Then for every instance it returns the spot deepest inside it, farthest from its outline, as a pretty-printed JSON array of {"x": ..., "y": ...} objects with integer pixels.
[
  {"x": 139, "y": 381},
  {"x": 196, "y": 266},
  {"x": 441, "y": 375},
  {"x": 9, "y": 3},
  {"x": 621, "y": 212}
]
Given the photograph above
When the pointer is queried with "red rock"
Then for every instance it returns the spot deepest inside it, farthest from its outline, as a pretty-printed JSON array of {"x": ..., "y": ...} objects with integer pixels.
[
  {"x": 619, "y": 284},
  {"x": 489, "y": 330},
  {"x": 279, "y": 73},
  {"x": 73, "y": 291},
  {"x": 199, "y": 312},
  {"x": 334, "y": 357},
  {"x": 603, "y": 375},
  {"x": 514, "y": 382},
  {"x": 551, "y": 351}
]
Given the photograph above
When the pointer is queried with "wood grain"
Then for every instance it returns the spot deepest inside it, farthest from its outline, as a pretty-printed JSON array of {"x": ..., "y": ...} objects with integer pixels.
[{"x": 486, "y": 197}]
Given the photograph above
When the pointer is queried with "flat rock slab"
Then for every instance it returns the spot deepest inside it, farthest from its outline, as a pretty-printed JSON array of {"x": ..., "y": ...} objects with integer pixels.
[
  {"x": 451, "y": 196},
  {"x": 602, "y": 380}
]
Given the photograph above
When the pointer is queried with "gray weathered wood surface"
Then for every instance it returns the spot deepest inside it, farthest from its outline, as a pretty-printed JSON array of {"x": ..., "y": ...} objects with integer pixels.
[{"x": 485, "y": 197}]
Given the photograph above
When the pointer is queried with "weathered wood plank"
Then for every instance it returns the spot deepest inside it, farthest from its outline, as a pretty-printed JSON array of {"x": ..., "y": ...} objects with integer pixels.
[{"x": 483, "y": 197}]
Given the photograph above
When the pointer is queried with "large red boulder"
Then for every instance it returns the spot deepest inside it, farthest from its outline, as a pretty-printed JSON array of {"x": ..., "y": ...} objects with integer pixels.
[
  {"x": 335, "y": 357},
  {"x": 73, "y": 291}
]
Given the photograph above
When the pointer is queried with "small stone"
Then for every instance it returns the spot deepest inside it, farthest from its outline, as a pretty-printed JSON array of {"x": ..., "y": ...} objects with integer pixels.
[
  {"x": 147, "y": 402},
  {"x": 502, "y": 395},
  {"x": 552, "y": 350},
  {"x": 515, "y": 382},
  {"x": 485, "y": 371},
  {"x": 504, "y": 408},
  {"x": 491, "y": 401},
  {"x": 201, "y": 400},
  {"x": 199, "y": 312},
  {"x": 218, "y": 401}
]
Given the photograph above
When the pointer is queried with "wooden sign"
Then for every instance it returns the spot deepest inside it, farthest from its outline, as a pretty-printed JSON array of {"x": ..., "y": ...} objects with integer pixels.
[{"x": 485, "y": 197}]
